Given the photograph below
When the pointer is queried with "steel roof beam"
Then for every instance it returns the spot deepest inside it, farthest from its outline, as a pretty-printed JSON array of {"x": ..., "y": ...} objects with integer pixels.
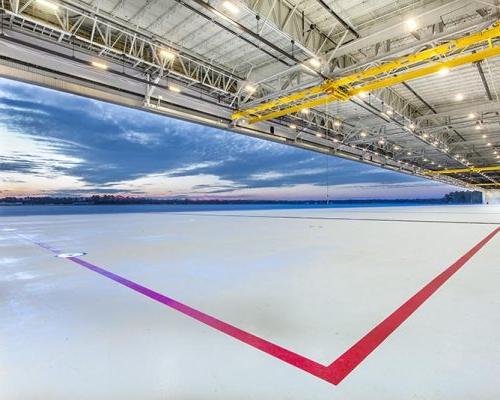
[{"x": 339, "y": 18}]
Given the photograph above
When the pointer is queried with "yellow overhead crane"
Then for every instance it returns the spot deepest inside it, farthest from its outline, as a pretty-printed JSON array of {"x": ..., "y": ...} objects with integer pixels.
[
  {"x": 463, "y": 170},
  {"x": 445, "y": 56}
]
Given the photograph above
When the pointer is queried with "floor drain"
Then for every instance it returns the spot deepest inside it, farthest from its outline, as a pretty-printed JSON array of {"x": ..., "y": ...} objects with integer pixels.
[{"x": 69, "y": 255}]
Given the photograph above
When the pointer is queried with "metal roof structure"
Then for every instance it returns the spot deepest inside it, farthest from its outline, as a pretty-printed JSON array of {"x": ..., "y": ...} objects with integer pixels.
[{"x": 203, "y": 61}]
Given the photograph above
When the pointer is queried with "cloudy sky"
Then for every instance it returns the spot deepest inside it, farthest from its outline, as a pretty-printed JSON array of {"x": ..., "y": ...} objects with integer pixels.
[{"x": 54, "y": 143}]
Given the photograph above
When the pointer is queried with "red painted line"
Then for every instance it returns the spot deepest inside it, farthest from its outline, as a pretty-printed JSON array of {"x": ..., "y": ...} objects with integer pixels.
[{"x": 343, "y": 365}]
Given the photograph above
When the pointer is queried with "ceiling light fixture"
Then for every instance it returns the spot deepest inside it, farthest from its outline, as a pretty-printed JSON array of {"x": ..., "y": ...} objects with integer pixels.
[
  {"x": 443, "y": 71},
  {"x": 167, "y": 54},
  {"x": 47, "y": 4},
  {"x": 315, "y": 62},
  {"x": 229, "y": 6},
  {"x": 411, "y": 24},
  {"x": 250, "y": 88},
  {"x": 174, "y": 89},
  {"x": 99, "y": 65}
]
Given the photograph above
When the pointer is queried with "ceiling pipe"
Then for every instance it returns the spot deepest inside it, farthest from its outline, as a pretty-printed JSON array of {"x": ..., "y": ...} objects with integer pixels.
[
  {"x": 243, "y": 28},
  {"x": 339, "y": 18},
  {"x": 198, "y": 12}
]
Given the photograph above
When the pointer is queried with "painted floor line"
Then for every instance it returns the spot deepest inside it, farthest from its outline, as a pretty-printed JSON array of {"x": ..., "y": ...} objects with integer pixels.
[
  {"x": 338, "y": 369},
  {"x": 425, "y": 221}
]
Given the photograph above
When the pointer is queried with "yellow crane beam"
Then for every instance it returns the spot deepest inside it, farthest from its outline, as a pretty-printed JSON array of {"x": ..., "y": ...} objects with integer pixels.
[
  {"x": 463, "y": 170},
  {"x": 376, "y": 77},
  {"x": 406, "y": 76},
  {"x": 488, "y": 184}
]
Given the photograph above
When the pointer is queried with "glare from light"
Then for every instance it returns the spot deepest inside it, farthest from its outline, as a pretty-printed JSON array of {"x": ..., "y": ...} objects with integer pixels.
[
  {"x": 459, "y": 97},
  {"x": 397, "y": 147},
  {"x": 425, "y": 135},
  {"x": 167, "y": 54},
  {"x": 444, "y": 71},
  {"x": 231, "y": 7},
  {"x": 411, "y": 24},
  {"x": 47, "y": 4},
  {"x": 425, "y": 160},
  {"x": 411, "y": 126},
  {"x": 337, "y": 123},
  {"x": 488, "y": 144},
  {"x": 99, "y": 65},
  {"x": 409, "y": 153},
  {"x": 250, "y": 88},
  {"x": 389, "y": 112},
  {"x": 315, "y": 62},
  {"x": 305, "y": 111},
  {"x": 472, "y": 116},
  {"x": 381, "y": 141},
  {"x": 478, "y": 125},
  {"x": 363, "y": 94},
  {"x": 292, "y": 126},
  {"x": 484, "y": 136},
  {"x": 174, "y": 89},
  {"x": 319, "y": 135}
]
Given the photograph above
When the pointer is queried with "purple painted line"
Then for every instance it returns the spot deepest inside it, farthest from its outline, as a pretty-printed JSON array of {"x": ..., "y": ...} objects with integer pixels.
[{"x": 246, "y": 337}]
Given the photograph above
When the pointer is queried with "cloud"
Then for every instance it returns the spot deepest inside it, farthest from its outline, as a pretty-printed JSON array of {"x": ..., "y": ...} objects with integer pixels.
[
  {"x": 142, "y": 138},
  {"x": 88, "y": 146}
]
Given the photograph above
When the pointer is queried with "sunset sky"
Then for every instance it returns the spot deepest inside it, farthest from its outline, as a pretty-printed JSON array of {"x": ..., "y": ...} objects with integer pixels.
[{"x": 53, "y": 143}]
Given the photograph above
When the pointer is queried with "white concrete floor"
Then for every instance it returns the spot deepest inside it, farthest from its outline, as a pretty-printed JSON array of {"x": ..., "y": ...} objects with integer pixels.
[{"x": 310, "y": 283}]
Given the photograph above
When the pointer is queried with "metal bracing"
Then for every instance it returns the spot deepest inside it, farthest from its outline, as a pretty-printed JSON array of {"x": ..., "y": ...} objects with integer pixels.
[
  {"x": 104, "y": 38},
  {"x": 286, "y": 17},
  {"x": 377, "y": 77}
]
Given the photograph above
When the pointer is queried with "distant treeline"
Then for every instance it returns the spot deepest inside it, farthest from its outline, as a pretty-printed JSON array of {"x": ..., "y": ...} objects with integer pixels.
[
  {"x": 458, "y": 197},
  {"x": 464, "y": 197}
]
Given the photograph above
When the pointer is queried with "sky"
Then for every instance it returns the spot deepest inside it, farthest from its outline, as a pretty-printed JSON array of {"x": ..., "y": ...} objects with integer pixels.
[{"x": 59, "y": 144}]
